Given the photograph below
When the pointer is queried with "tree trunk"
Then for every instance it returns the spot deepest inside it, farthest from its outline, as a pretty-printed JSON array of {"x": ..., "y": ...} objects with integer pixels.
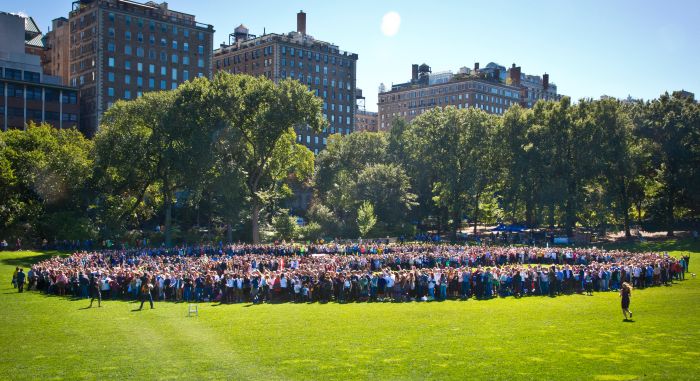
[
  {"x": 168, "y": 219},
  {"x": 255, "y": 219},
  {"x": 625, "y": 211},
  {"x": 476, "y": 211},
  {"x": 669, "y": 213},
  {"x": 229, "y": 233}
]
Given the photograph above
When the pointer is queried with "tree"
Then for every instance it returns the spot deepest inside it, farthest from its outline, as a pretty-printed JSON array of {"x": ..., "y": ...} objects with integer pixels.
[
  {"x": 44, "y": 175},
  {"x": 161, "y": 140},
  {"x": 387, "y": 188},
  {"x": 366, "y": 218},
  {"x": 259, "y": 117},
  {"x": 672, "y": 126}
]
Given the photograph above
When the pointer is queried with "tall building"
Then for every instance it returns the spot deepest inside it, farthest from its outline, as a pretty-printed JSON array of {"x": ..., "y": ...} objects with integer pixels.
[
  {"x": 26, "y": 93},
  {"x": 322, "y": 66},
  {"x": 119, "y": 49},
  {"x": 57, "y": 49},
  {"x": 492, "y": 89}
]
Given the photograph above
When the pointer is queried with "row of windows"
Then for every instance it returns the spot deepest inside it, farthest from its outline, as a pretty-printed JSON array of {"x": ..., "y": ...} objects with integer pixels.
[
  {"x": 17, "y": 75},
  {"x": 301, "y": 53},
  {"x": 162, "y": 84},
  {"x": 173, "y": 59},
  {"x": 111, "y": 46},
  {"x": 151, "y": 81},
  {"x": 34, "y": 114},
  {"x": 34, "y": 93},
  {"x": 152, "y": 25}
]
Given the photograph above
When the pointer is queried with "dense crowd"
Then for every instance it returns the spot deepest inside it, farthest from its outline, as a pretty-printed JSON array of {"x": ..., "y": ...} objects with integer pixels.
[{"x": 347, "y": 273}]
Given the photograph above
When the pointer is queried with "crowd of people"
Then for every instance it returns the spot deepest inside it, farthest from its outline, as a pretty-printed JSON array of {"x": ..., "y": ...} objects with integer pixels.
[{"x": 345, "y": 273}]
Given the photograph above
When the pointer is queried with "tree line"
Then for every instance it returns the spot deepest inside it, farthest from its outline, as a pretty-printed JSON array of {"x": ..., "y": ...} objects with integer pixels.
[{"x": 219, "y": 160}]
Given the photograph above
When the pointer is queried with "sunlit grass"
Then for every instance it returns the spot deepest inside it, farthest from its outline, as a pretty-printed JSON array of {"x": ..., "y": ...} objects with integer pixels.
[{"x": 569, "y": 337}]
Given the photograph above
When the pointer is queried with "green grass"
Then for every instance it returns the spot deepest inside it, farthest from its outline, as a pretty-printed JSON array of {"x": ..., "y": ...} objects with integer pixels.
[{"x": 571, "y": 337}]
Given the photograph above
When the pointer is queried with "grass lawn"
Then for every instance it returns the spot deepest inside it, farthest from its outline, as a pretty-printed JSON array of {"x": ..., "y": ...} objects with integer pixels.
[{"x": 570, "y": 337}]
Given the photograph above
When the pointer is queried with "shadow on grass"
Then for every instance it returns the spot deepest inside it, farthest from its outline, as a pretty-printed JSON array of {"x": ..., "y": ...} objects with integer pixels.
[{"x": 27, "y": 261}]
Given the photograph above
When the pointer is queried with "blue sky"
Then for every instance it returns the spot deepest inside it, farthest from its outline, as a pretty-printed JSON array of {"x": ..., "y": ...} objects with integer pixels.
[{"x": 589, "y": 48}]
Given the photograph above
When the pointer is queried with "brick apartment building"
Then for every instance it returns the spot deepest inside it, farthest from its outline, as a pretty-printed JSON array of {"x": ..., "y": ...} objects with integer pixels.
[
  {"x": 27, "y": 94},
  {"x": 118, "y": 49},
  {"x": 366, "y": 121},
  {"x": 492, "y": 89},
  {"x": 326, "y": 70}
]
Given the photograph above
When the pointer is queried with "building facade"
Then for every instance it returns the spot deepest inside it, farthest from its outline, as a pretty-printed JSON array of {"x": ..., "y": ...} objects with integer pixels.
[
  {"x": 366, "y": 121},
  {"x": 119, "y": 49},
  {"x": 492, "y": 89},
  {"x": 57, "y": 50},
  {"x": 327, "y": 71},
  {"x": 26, "y": 93}
]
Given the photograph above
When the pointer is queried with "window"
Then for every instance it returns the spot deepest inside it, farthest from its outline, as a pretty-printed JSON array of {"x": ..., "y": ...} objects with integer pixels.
[
  {"x": 111, "y": 16},
  {"x": 127, "y": 20},
  {"x": 139, "y": 52},
  {"x": 308, "y": 139},
  {"x": 151, "y": 69},
  {"x": 110, "y": 32},
  {"x": 173, "y": 74},
  {"x": 110, "y": 61},
  {"x": 110, "y": 46},
  {"x": 139, "y": 37},
  {"x": 200, "y": 36},
  {"x": 151, "y": 83},
  {"x": 162, "y": 84},
  {"x": 162, "y": 70},
  {"x": 127, "y": 79},
  {"x": 31, "y": 76},
  {"x": 174, "y": 44},
  {"x": 185, "y": 60},
  {"x": 186, "y": 47},
  {"x": 110, "y": 76},
  {"x": 127, "y": 35},
  {"x": 173, "y": 85},
  {"x": 174, "y": 58},
  {"x": 200, "y": 62},
  {"x": 163, "y": 42},
  {"x": 186, "y": 32},
  {"x": 152, "y": 39},
  {"x": 200, "y": 49},
  {"x": 139, "y": 67},
  {"x": 127, "y": 65},
  {"x": 127, "y": 49},
  {"x": 139, "y": 81},
  {"x": 185, "y": 75},
  {"x": 127, "y": 94},
  {"x": 110, "y": 91}
]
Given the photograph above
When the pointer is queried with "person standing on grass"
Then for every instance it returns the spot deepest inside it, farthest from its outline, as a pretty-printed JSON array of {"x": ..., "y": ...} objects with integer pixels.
[
  {"x": 95, "y": 289},
  {"x": 626, "y": 294},
  {"x": 21, "y": 276},
  {"x": 14, "y": 277},
  {"x": 146, "y": 287}
]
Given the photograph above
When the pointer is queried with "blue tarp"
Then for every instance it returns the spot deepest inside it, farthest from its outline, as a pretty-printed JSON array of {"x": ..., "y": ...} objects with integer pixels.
[{"x": 508, "y": 228}]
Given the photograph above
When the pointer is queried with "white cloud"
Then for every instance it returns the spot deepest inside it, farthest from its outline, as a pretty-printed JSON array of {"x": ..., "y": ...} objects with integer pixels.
[{"x": 391, "y": 23}]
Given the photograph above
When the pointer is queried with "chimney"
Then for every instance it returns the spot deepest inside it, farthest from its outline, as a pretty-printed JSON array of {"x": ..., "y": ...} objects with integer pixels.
[
  {"x": 301, "y": 22},
  {"x": 476, "y": 66},
  {"x": 414, "y": 72},
  {"x": 515, "y": 75},
  {"x": 545, "y": 81}
]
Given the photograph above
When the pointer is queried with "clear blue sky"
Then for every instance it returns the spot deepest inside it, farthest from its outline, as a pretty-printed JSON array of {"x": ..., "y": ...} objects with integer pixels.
[{"x": 589, "y": 48}]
